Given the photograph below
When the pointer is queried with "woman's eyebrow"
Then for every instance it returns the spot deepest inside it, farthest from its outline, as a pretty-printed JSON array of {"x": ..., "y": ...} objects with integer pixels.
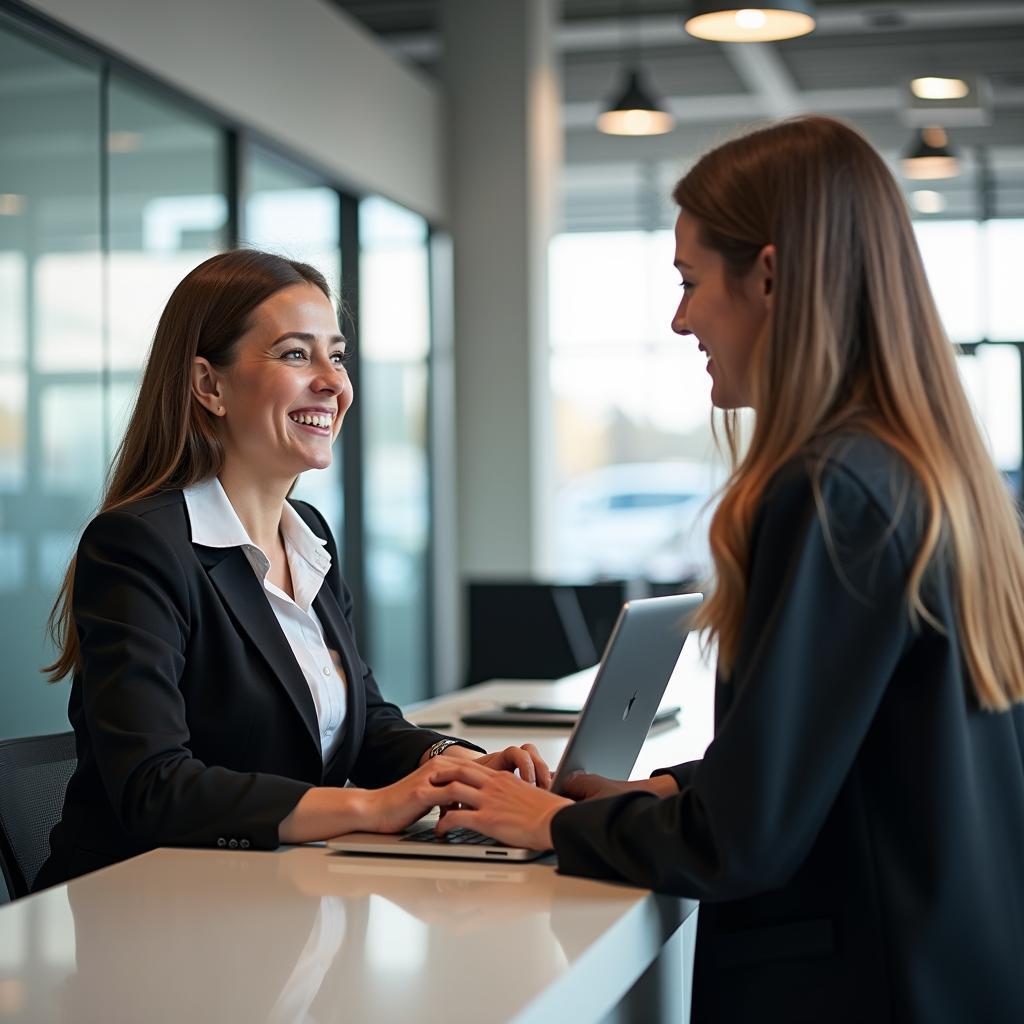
[
  {"x": 334, "y": 339},
  {"x": 679, "y": 264}
]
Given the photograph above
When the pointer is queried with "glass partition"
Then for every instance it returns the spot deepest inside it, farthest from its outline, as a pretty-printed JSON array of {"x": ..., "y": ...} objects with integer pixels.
[
  {"x": 51, "y": 352},
  {"x": 167, "y": 213}
]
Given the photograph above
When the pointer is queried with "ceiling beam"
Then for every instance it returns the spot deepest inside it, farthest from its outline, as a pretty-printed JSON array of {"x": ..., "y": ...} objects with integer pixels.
[
  {"x": 762, "y": 71},
  {"x": 661, "y": 30}
]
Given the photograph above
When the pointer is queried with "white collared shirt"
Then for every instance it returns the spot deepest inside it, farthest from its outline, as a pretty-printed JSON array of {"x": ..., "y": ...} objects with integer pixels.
[{"x": 215, "y": 524}]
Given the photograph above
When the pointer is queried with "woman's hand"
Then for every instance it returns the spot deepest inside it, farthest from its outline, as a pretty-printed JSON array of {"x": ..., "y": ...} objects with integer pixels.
[
  {"x": 392, "y": 808},
  {"x": 495, "y": 803},
  {"x": 582, "y": 786},
  {"x": 526, "y": 759}
]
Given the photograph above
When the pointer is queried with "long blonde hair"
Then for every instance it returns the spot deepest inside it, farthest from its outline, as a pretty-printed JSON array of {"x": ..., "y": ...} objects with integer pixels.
[
  {"x": 171, "y": 441},
  {"x": 855, "y": 342}
]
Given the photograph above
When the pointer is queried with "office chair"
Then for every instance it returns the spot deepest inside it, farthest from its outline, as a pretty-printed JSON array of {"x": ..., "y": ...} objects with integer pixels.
[
  {"x": 34, "y": 774},
  {"x": 531, "y": 629}
]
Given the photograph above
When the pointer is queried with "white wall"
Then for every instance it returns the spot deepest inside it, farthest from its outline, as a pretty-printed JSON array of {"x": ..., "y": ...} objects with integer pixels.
[{"x": 298, "y": 70}]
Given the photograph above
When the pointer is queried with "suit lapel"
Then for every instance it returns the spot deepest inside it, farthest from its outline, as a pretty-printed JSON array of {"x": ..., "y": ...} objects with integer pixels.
[
  {"x": 230, "y": 572},
  {"x": 338, "y": 636}
]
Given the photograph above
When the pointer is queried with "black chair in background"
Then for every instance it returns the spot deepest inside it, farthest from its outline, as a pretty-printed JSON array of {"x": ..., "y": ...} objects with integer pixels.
[
  {"x": 521, "y": 629},
  {"x": 34, "y": 774},
  {"x": 666, "y": 588}
]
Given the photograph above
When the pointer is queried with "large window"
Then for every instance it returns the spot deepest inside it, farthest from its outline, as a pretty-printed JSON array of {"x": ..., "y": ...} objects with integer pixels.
[
  {"x": 394, "y": 345},
  {"x": 974, "y": 271},
  {"x": 636, "y": 463}
]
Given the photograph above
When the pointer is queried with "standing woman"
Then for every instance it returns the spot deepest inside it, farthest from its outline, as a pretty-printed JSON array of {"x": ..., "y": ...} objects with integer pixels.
[
  {"x": 855, "y": 831},
  {"x": 218, "y": 698}
]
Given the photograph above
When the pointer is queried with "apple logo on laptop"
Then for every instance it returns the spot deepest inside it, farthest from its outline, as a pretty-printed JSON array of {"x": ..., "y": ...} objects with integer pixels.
[{"x": 629, "y": 707}]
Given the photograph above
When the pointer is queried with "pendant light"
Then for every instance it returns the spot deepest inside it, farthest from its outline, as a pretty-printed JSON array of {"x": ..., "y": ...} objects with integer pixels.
[
  {"x": 929, "y": 156},
  {"x": 634, "y": 109},
  {"x": 762, "y": 23}
]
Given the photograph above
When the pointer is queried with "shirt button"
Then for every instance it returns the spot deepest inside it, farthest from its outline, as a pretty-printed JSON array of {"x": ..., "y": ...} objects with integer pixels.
[{"x": 327, "y": 670}]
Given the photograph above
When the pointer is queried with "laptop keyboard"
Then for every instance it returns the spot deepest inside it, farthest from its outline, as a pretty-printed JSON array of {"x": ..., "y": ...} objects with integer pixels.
[{"x": 457, "y": 836}]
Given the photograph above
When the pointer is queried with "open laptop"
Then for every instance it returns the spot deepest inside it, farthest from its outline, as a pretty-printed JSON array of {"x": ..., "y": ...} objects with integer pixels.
[{"x": 638, "y": 662}]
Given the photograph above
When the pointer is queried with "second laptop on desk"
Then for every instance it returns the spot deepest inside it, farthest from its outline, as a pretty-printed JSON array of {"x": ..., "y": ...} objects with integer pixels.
[
  {"x": 522, "y": 713},
  {"x": 631, "y": 680}
]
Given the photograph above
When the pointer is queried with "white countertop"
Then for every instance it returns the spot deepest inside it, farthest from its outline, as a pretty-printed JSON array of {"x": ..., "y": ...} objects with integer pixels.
[{"x": 305, "y": 934}]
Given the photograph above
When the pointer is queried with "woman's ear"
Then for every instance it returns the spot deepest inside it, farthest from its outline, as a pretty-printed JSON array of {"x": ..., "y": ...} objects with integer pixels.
[{"x": 206, "y": 387}]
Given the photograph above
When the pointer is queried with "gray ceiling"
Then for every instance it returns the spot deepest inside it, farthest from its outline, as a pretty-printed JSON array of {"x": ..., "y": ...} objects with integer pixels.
[{"x": 856, "y": 65}]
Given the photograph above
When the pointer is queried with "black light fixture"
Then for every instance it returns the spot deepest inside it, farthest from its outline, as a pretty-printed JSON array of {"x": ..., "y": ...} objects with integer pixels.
[
  {"x": 634, "y": 111},
  {"x": 929, "y": 156},
  {"x": 762, "y": 22}
]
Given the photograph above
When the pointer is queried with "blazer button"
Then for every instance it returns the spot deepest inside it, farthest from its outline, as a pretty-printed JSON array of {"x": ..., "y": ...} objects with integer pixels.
[
  {"x": 233, "y": 844},
  {"x": 244, "y": 844},
  {"x": 222, "y": 841}
]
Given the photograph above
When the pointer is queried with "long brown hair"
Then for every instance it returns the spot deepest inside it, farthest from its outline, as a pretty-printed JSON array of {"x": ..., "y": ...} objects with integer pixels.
[
  {"x": 852, "y": 309},
  {"x": 171, "y": 441}
]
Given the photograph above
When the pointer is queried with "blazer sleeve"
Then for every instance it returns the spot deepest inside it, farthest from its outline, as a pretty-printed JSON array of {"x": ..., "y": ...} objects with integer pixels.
[
  {"x": 391, "y": 746},
  {"x": 826, "y": 624},
  {"x": 131, "y": 609}
]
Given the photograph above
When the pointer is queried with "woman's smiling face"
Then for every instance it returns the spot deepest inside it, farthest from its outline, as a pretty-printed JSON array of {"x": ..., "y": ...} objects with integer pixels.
[
  {"x": 726, "y": 315},
  {"x": 282, "y": 399}
]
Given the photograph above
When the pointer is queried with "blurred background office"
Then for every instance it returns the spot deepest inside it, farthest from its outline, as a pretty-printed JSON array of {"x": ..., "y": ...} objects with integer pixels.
[{"x": 523, "y": 410}]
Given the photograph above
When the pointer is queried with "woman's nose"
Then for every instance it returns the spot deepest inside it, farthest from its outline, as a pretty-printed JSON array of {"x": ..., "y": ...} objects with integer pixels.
[
  {"x": 330, "y": 377},
  {"x": 679, "y": 322}
]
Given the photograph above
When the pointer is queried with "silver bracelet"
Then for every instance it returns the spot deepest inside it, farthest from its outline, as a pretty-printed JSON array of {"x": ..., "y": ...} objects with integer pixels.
[{"x": 440, "y": 747}]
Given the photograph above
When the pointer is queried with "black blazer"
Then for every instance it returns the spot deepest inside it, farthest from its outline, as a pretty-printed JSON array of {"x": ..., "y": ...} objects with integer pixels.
[
  {"x": 193, "y": 722},
  {"x": 855, "y": 831}
]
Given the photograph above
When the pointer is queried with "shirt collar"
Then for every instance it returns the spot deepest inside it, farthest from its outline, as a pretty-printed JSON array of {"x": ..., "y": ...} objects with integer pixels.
[
  {"x": 213, "y": 519},
  {"x": 215, "y": 524}
]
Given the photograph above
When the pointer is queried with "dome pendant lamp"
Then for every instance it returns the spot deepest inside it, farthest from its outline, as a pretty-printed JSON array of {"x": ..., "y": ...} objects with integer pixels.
[
  {"x": 635, "y": 111},
  {"x": 729, "y": 23},
  {"x": 930, "y": 157}
]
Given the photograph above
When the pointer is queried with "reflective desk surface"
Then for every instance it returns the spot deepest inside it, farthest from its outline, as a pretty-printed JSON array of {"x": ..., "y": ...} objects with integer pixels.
[{"x": 302, "y": 933}]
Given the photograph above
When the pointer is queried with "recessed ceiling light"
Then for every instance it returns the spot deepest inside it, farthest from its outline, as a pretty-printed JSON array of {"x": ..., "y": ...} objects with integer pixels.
[
  {"x": 763, "y": 22},
  {"x": 939, "y": 88},
  {"x": 926, "y": 201}
]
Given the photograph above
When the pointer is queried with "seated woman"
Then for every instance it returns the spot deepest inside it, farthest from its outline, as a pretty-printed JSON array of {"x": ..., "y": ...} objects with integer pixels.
[
  {"x": 855, "y": 831},
  {"x": 218, "y": 698}
]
